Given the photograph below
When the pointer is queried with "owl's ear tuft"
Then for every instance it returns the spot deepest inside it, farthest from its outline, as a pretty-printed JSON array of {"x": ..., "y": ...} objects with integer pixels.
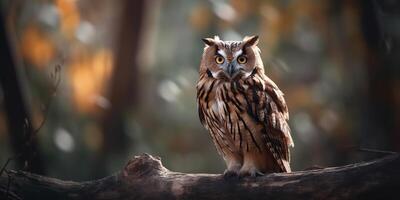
[
  {"x": 250, "y": 40},
  {"x": 209, "y": 41}
]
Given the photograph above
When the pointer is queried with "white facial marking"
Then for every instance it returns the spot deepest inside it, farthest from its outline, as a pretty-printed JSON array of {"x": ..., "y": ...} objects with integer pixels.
[
  {"x": 237, "y": 53},
  {"x": 222, "y": 53}
]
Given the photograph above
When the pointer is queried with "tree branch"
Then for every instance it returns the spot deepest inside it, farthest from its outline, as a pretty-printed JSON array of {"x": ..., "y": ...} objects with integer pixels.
[{"x": 144, "y": 177}]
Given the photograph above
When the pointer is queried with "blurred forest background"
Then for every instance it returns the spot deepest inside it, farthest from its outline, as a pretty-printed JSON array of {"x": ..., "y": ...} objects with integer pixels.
[{"x": 86, "y": 84}]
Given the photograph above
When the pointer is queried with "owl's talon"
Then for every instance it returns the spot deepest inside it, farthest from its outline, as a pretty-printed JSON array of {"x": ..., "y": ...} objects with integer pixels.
[
  {"x": 242, "y": 175},
  {"x": 258, "y": 173},
  {"x": 228, "y": 174},
  {"x": 252, "y": 173}
]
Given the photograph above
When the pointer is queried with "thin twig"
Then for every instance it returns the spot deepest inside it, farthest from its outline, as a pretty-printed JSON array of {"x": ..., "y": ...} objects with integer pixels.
[
  {"x": 57, "y": 80},
  {"x": 8, "y": 185},
  {"x": 4, "y": 169},
  {"x": 4, "y": 166},
  {"x": 8, "y": 162},
  {"x": 376, "y": 151}
]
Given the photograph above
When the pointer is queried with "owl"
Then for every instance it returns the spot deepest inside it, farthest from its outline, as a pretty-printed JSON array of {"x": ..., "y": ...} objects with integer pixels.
[{"x": 243, "y": 110}]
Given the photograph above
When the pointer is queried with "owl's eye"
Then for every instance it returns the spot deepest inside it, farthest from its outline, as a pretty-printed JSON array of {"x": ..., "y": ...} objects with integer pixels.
[
  {"x": 219, "y": 59},
  {"x": 242, "y": 59}
]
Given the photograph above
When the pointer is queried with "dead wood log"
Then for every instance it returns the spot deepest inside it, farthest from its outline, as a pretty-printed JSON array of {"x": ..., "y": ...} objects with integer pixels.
[{"x": 144, "y": 177}]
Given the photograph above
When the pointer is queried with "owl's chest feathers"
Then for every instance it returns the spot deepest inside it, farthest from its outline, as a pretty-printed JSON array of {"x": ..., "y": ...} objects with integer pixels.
[
  {"x": 225, "y": 113},
  {"x": 227, "y": 99}
]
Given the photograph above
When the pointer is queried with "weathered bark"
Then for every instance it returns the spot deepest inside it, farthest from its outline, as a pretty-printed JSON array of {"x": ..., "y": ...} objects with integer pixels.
[{"x": 144, "y": 177}]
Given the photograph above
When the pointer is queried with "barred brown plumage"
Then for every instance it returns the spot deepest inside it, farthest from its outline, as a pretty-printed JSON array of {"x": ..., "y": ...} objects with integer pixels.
[{"x": 243, "y": 109}]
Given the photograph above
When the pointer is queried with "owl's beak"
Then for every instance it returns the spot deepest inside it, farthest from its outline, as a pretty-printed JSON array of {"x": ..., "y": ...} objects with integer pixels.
[{"x": 230, "y": 70}]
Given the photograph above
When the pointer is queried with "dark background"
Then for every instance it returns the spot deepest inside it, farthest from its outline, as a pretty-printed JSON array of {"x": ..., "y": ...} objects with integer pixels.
[{"x": 86, "y": 84}]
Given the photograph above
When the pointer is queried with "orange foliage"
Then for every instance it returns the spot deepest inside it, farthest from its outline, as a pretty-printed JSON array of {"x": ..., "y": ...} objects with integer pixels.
[
  {"x": 244, "y": 8},
  {"x": 89, "y": 75},
  {"x": 271, "y": 27},
  {"x": 69, "y": 16},
  {"x": 299, "y": 96},
  {"x": 36, "y": 47},
  {"x": 200, "y": 17}
]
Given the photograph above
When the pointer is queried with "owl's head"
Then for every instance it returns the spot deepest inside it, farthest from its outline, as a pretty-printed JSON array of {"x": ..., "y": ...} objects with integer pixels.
[{"x": 230, "y": 60}]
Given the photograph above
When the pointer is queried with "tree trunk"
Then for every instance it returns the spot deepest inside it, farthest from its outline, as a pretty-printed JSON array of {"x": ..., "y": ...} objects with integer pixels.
[
  {"x": 124, "y": 83},
  {"x": 22, "y": 137},
  {"x": 144, "y": 177},
  {"x": 379, "y": 23}
]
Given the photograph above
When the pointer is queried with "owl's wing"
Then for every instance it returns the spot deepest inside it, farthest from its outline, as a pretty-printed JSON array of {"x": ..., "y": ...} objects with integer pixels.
[
  {"x": 208, "y": 117},
  {"x": 268, "y": 107}
]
